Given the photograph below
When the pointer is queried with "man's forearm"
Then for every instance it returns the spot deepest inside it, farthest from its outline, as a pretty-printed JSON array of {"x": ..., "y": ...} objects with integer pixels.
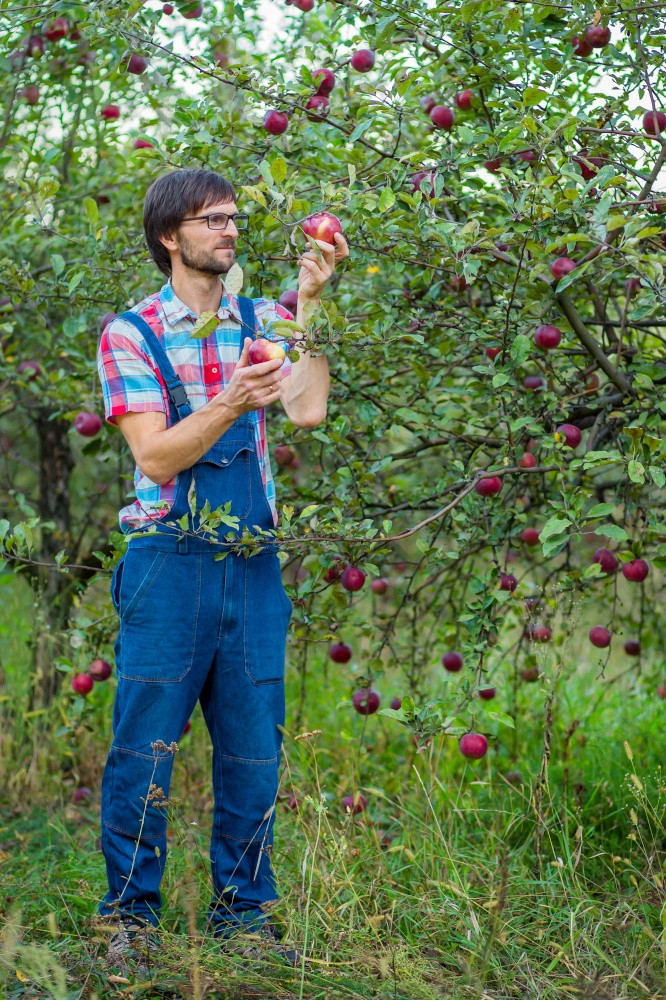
[
  {"x": 181, "y": 445},
  {"x": 309, "y": 384}
]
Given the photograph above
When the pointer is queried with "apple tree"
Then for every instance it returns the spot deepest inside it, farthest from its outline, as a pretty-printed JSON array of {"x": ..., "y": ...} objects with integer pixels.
[{"x": 494, "y": 445}]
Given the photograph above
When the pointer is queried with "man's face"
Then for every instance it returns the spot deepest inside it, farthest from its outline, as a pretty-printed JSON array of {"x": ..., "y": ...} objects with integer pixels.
[{"x": 209, "y": 251}]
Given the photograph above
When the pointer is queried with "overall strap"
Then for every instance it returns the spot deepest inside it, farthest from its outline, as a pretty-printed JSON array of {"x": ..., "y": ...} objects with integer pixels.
[
  {"x": 248, "y": 320},
  {"x": 175, "y": 388}
]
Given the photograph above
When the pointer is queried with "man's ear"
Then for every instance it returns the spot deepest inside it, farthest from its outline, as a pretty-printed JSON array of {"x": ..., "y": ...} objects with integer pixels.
[{"x": 169, "y": 242}]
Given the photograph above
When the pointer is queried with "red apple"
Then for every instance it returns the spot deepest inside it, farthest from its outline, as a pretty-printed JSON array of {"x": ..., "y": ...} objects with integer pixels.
[
  {"x": 262, "y": 350},
  {"x": 292, "y": 802},
  {"x": 539, "y": 633},
  {"x": 30, "y": 366},
  {"x": 600, "y": 636},
  {"x": 352, "y": 578},
  {"x": 530, "y": 674},
  {"x": 36, "y": 46},
  {"x": 380, "y": 585},
  {"x": 340, "y": 652},
  {"x": 452, "y": 662},
  {"x": 606, "y": 559},
  {"x": 487, "y": 694},
  {"x": 527, "y": 156},
  {"x": 572, "y": 435},
  {"x": 322, "y": 226},
  {"x": 283, "y": 455},
  {"x": 136, "y": 63},
  {"x": 562, "y": 266},
  {"x": 333, "y": 572},
  {"x": 30, "y": 94},
  {"x": 492, "y": 166},
  {"x": 528, "y": 461},
  {"x": 597, "y": 36},
  {"x": 319, "y": 103},
  {"x": 514, "y": 777},
  {"x": 532, "y": 382},
  {"x": 661, "y": 690},
  {"x": 632, "y": 647},
  {"x": 106, "y": 319},
  {"x": 110, "y": 111},
  {"x": 473, "y": 745},
  {"x": 396, "y": 703},
  {"x": 635, "y": 571},
  {"x": 654, "y": 122},
  {"x": 366, "y": 701},
  {"x": 276, "y": 122},
  {"x": 363, "y": 60},
  {"x": 547, "y": 337},
  {"x": 508, "y": 582},
  {"x": 88, "y": 424},
  {"x": 589, "y": 165},
  {"x": 289, "y": 300},
  {"x": 100, "y": 670},
  {"x": 56, "y": 30},
  {"x": 354, "y": 803},
  {"x": 463, "y": 100},
  {"x": 82, "y": 683},
  {"x": 581, "y": 46},
  {"x": 188, "y": 727},
  {"x": 143, "y": 144},
  {"x": 442, "y": 117},
  {"x": 428, "y": 102},
  {"x": 416, "y": 179},
  {"x": 325, "y": 79},
  {"x": 492, "y": 352},
  {"x": 82, "y": 794},
  {"x": 191, "y": 10},
  {"x": 489, "y": 486},
  {"x": 530, "y": 536},
  {"x": 458, "y": 284},
  {"x": 167, "y": 8}
]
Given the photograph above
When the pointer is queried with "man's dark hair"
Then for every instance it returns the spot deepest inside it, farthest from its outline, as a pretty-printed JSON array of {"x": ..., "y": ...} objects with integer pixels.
[{"x": 175, "y": 196}]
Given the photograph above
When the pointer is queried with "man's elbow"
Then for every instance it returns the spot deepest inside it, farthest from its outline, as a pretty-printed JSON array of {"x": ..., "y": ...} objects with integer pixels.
[{"x": 311, "y": 419}]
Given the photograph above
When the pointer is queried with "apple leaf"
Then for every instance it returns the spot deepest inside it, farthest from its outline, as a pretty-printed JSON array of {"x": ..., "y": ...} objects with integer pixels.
[
  {"x": 57, "y": 263},
  {"x": 532, "y": 96},
  {"x": 499, "y": 716},
  {"x": 657, "y": 476},
  {"x": 636, "y": 471},
  {"x": 233, "y": 281},
  {"x": 360, "y": 129},
  {"x": 554, "y": 526},
  {"x": 613, "y": 531},
  {"x": 601, "y": 509},
  {"x": 205, "y": 325},
  {"x": 520, "y": 349},
  {"x": 91, "y": 210},
  {"x": 279, "y": 170},
  {"x": 387, "y": 199},
  {"x": 309, "y": 510}
]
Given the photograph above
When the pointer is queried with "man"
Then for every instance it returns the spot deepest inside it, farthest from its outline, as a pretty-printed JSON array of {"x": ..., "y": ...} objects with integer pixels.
[{"x": 194, "y": 626}]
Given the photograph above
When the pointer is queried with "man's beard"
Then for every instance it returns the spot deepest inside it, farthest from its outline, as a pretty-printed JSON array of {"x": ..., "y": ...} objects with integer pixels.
[{"x": 204, "y": 262}]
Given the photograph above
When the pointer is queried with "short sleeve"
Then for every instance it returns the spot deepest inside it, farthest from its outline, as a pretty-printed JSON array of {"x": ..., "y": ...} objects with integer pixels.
[
  {"x": 129, "y": 382},
  {"x": 268, "y": 313}
]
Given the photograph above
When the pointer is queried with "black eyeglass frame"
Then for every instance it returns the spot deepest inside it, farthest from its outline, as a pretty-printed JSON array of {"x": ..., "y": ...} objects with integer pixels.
[{"x": 238, "y": 216}]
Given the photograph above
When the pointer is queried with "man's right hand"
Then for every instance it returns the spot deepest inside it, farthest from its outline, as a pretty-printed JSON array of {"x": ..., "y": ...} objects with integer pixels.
[{"x": 251, "y": 387}]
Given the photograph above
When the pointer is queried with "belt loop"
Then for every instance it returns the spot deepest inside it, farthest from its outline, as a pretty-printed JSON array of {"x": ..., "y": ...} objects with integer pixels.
[{"x": 183, "y": 546}]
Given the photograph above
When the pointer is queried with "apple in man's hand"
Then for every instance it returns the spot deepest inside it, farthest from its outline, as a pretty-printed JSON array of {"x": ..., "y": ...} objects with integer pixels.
[{"x": 261, "y": 350}]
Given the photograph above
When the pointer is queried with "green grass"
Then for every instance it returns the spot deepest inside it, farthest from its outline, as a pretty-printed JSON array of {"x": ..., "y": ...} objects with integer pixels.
[{"x": 487, "y": 891}]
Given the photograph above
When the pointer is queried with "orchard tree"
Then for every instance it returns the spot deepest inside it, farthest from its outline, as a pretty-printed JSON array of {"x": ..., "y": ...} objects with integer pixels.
[{"x": 496, "y": 338}]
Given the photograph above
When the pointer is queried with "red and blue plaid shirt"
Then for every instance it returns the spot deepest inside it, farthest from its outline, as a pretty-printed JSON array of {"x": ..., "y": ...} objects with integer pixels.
[{"x": 131, "y": 380}]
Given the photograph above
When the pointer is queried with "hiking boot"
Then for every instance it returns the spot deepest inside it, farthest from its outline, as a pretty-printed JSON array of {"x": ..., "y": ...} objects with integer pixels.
[
  {"x": 132, "y": 941},
  {"x": 262, "y": 944}
]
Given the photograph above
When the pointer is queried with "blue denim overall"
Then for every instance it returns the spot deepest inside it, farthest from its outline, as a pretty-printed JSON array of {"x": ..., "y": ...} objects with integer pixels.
[{"x": 193, "y": 627}]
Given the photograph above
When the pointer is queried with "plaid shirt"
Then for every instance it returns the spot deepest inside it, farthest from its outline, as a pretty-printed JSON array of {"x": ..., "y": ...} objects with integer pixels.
[{"x": 131, "y": 380}]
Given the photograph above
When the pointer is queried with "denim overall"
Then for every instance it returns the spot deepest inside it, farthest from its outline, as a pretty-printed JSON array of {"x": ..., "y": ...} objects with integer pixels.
[{"x": 196, "y": 628}]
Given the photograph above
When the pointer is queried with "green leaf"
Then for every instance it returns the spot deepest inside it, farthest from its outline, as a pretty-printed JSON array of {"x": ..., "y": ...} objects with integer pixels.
[
  {"x": 205, "y": 325},
  {"x": 554, "y": 526},
  {"x": 613, "y": 531},
  {"x": 360, "y": 129},
  {"x": 500, "y": 379},
  {"x": 520, "y": 349},
  {"x": 499, "y": 716},
  {"x": 533, "y": 95},
  {"x": 279, "y": 170},
  {"x": 387, "y": 199},
  {"x": 58, "y": 263},
  {"x": 601, "y": 509},
  {"x": 309, "y": 510},
  {"x": 657, "y": 476},
  {"x": 636, "y": 471},
  {"x": 91, "y": 210}
]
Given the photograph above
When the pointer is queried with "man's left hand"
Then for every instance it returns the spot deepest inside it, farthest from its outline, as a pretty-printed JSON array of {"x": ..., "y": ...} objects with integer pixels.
[{"x": 314, "y": 273}]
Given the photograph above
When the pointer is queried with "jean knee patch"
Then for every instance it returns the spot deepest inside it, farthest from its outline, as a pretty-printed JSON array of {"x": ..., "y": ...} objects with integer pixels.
[
  {"x": 249, "y": 793},
  {"x": 136, "y": 784},
  {"x": 267, "y": 614}
]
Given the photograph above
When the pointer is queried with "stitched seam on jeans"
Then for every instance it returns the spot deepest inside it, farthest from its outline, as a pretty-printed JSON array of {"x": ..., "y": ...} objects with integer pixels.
[
  {"x": 151, "y": 571},
  {"x": 134, "y": 836},
  {"x": 243, "y": 840},
  {"x": 246, "y": 760},
  {"x": 144, "y": 756}
]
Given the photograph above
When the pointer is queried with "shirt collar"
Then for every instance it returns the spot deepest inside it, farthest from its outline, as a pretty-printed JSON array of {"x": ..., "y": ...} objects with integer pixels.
[{"x": 175, "y": 309}]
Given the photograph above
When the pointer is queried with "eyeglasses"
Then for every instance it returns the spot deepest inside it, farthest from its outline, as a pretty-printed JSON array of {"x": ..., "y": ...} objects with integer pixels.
[{"x": 219, "y": 220}]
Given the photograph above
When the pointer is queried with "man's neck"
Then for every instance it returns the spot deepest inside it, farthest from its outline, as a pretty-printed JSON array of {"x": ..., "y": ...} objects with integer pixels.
[{"x": 200, "y": 293}]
